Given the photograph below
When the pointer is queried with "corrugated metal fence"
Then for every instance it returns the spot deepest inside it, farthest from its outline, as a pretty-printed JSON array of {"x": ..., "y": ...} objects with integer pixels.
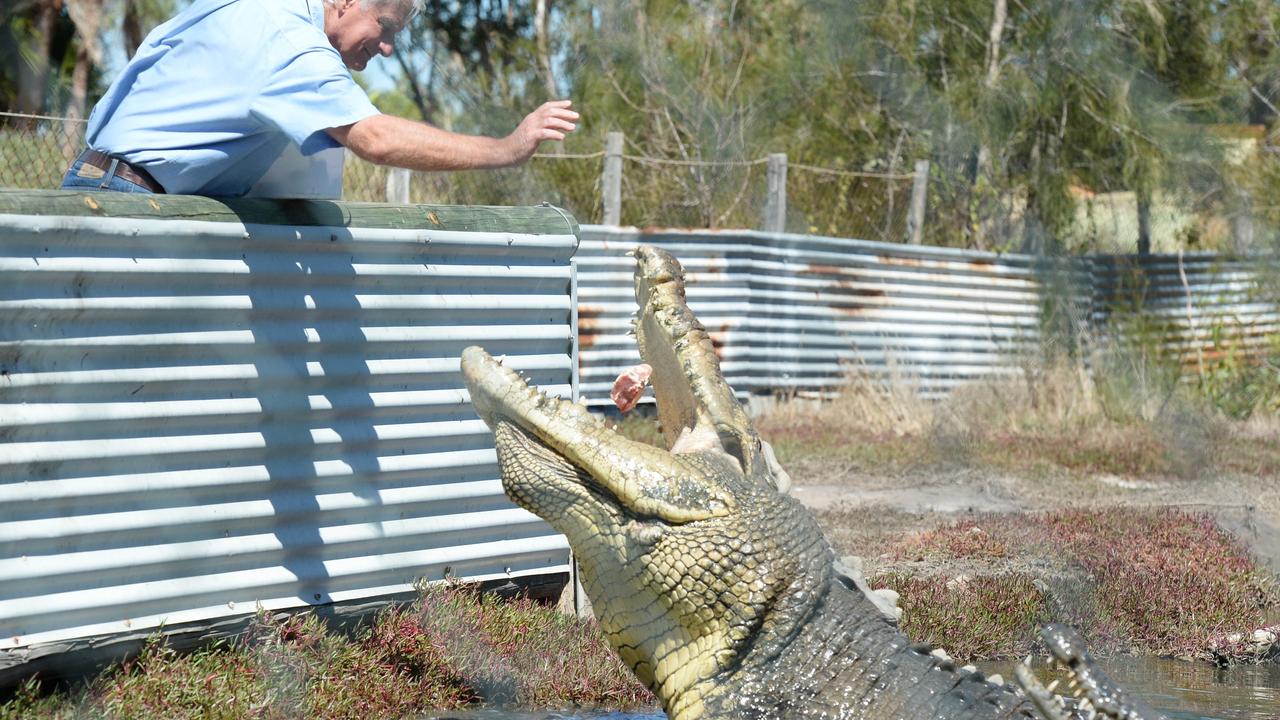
[
  {"x": 209, "y": 408},
  {"x": 206, "y": 408},
  {"x": 799, "y": 312},
  {"x": 1201, "y": 305}
]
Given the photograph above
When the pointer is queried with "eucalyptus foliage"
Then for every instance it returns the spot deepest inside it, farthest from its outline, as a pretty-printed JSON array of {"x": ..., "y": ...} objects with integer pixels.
[{"x": 1022, "y": 107}]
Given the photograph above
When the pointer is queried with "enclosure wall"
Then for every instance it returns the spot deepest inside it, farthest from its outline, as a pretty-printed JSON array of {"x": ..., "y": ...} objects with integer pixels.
[
  {"x": 799, "y": 313},
  {"x": 207, "y": 407}
]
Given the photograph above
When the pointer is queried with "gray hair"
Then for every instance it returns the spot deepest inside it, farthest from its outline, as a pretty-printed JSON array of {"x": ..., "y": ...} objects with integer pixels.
[{"x": 415, "y": 6}]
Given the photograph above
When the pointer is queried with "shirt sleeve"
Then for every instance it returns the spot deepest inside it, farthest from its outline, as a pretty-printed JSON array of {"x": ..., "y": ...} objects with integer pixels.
[{"x": 309, "y": 92}]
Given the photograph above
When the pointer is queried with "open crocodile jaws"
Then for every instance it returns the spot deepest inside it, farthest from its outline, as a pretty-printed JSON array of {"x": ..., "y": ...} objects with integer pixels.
[{"x": 710, "y": 582}]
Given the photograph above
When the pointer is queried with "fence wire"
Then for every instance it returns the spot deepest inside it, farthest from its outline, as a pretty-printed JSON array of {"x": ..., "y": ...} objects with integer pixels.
[
  {"x": 570, "y": 181},
  {"x": 852, "y": 205},
  {"x": 36, "y": 150}
]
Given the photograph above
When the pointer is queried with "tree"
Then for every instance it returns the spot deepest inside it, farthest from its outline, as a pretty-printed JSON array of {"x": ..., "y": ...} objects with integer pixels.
[
  {"x": 1029, "y": 99},
  {"x": 474, "y": 57},
  {"x": 139, "y": 17},
  {"x": 34, "y": 37},
  {"x": 53, "y": 50},
  {"x": 88, "y": 18},
  {"x": 1021, "y": 105}
]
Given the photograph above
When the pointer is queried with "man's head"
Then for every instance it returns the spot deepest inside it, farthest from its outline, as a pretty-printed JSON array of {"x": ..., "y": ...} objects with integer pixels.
[{"x": 361, "y": 29}]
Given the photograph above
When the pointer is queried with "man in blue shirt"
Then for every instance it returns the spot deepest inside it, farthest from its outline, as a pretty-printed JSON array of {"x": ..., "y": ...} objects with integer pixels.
[{"x": 217, "y": 95}]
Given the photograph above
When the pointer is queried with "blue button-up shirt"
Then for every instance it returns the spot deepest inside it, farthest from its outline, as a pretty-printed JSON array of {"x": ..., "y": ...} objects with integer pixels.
[{"x": 215, "y": 94}]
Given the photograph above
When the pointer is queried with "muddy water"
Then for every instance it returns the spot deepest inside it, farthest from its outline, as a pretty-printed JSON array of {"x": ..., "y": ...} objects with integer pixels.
[
  {"x": 1194, "y": 690},
  {"x": 504, "y": 715},
  {"x": 1182, "y": 690}
]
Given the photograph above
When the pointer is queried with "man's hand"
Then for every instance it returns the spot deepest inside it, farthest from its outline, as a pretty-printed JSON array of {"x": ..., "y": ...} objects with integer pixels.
[
  {"x": 551, "y": 121},
  {"x": 388, "y": 140}
]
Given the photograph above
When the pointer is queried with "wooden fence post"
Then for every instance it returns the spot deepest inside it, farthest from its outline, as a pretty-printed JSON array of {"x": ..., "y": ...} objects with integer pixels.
[
  {"x": 611, "y": 183},
  {"x": 1242, "y": 230},
  {"x": 775, "y": 203},
  {"x": 919, "y": 197},
  {"x": 398, "y": 186}
]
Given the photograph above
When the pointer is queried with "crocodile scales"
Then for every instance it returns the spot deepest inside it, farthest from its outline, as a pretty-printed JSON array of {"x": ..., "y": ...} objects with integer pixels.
[{"x": 714, "y": 585}]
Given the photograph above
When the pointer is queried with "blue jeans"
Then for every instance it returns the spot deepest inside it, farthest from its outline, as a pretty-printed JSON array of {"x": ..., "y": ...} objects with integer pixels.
[{"x": 82, "y": 176}]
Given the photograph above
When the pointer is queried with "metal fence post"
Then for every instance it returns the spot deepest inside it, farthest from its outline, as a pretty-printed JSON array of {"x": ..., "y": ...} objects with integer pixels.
[
  {"x": 611, "y": 183},
  {"x": 398, "y": 186},
  {"x": 775, "y": 203},
  {"x": 919, "y": 196}
]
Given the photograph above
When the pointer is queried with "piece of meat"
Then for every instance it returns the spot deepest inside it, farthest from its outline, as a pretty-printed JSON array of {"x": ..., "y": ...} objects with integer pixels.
[{"x": 629, "y": 387}]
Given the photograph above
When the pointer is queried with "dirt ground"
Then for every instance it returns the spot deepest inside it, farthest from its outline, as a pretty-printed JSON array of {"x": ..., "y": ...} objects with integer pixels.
[{"x": 862, "y": 512}]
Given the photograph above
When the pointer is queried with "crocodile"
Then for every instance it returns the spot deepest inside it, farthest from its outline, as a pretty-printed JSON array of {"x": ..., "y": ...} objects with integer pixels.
[{"x": 711, "y": 582}]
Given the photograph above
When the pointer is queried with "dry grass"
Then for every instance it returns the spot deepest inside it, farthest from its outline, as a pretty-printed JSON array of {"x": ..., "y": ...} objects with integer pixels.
[
  {"x": 1128, "y": 417},
  {"x": 1046, "y": 416},
  {"x": 874, "y": 405},
  {"x": 1135, "y": 580},
  {"x": 1155, "y": 581},
  {"x": 983, "y": 617},
  {"x": 451, "y": 649}
]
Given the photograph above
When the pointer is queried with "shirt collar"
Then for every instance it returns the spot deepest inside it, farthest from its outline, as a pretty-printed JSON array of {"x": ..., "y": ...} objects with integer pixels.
[{"x": 317, "y": 13}]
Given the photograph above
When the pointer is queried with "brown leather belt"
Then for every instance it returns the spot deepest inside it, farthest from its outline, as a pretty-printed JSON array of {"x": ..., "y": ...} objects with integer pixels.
[{"x": 124, "y": 170}]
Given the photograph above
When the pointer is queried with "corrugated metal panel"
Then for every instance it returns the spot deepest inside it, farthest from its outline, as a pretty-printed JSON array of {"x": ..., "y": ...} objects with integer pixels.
[
  {"x": 796, "y": 312},
  {"x": 199, "y": 418},
  {"x": 1200, "y": 305}
]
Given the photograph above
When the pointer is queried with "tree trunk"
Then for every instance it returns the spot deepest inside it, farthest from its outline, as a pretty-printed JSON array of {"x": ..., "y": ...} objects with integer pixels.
[
  {"x": 33, "y": 75},
  {"x": 999, "y": 14},
  {"x": 1033, "y": 226},
  {"x": 87, "y": 16},
  {"x": 1144, "y": 222},
  {"x": 421, "y": 92},
  {"x": 542, "y": 24},
  {"x": 131, "y": 28}
]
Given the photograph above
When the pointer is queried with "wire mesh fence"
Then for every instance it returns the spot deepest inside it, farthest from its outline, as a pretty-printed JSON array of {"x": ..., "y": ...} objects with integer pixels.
[
  {"x": 867, "y": 206},
  {"x": 568, "y": 181},
  {"x": 36, "y": 150},
  {"x": 674, "y": 193}
]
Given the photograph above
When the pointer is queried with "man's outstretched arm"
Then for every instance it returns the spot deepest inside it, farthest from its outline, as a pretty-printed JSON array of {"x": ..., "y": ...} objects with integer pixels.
[{"x": 389, "y": 140}]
